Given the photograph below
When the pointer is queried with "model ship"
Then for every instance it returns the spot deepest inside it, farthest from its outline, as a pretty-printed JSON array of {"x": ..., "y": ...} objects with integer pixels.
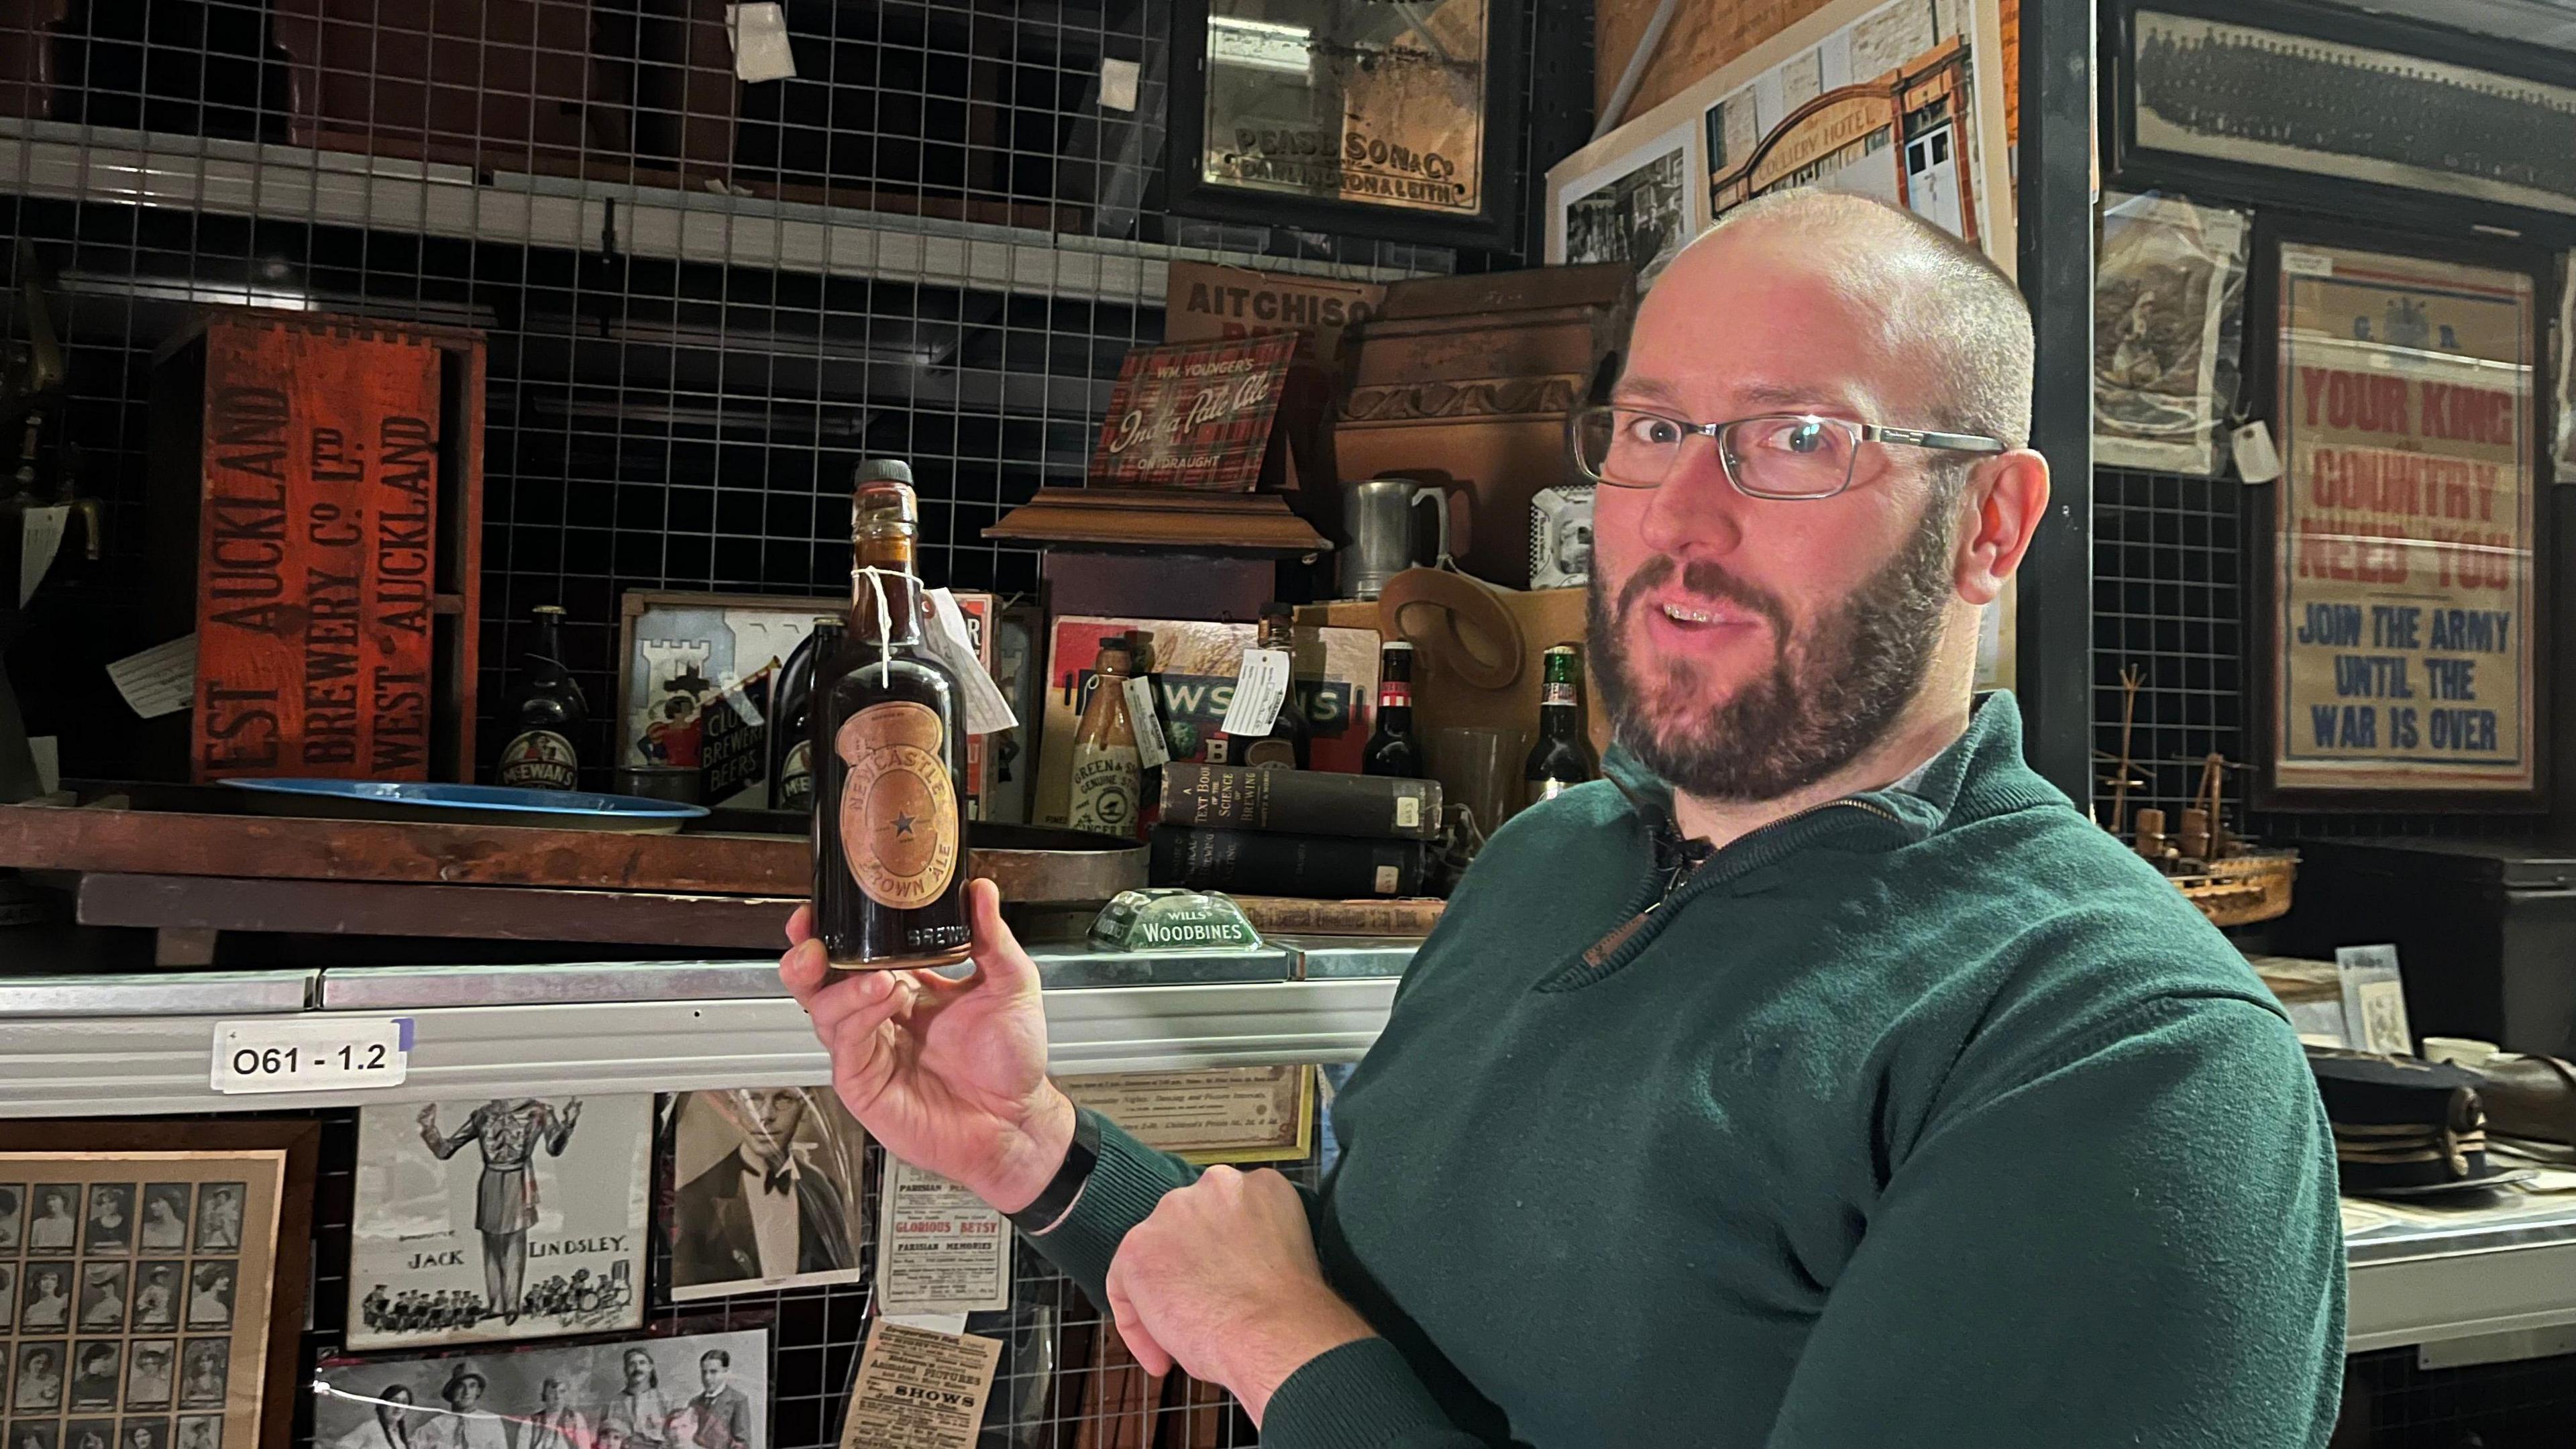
[{"x": 2233, "y": 880}]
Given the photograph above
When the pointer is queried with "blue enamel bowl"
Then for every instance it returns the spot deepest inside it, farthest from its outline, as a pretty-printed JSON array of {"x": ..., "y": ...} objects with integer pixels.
[{"x": 467, "y": 805}]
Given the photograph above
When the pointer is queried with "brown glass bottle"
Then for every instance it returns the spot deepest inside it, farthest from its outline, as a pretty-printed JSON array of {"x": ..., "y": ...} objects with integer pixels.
[{"x": 889, "y": 746}]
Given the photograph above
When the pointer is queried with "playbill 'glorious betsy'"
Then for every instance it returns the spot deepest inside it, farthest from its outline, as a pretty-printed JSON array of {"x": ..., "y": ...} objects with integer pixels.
[{"x": 515, "y": 1217}]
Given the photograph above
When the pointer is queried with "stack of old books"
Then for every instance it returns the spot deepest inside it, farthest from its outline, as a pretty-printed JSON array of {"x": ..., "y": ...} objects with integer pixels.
[{"x": 1301, "y": 836}]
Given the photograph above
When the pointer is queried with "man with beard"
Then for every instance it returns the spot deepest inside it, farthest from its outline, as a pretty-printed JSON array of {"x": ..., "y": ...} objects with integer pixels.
[{"x": 1820, "y": 1079}]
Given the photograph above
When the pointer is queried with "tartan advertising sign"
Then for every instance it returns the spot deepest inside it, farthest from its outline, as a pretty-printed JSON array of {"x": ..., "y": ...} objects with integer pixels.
[{"x": 1200, "y": 416}]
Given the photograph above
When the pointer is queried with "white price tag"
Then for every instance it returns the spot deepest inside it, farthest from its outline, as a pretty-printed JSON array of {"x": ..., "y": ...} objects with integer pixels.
[
  {"x": 2257, "y": 461},
  {"x": 160, "y": 680},
  {"x": 1258, "y": 689},
  {"x": 987, "y": 711},
  {"x": 41, "y": 539},
  {"x": 322, "y": 1053},
  {"x": 760, "y": 48},
  {"x": 1151, "y": 751}
]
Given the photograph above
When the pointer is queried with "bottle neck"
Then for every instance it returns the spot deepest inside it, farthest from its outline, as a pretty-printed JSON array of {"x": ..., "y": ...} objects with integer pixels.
[
  {"x": 549, "y": 645},
  {"x": 1395, "y": 719},
  {"x": 891, "y": 560}
]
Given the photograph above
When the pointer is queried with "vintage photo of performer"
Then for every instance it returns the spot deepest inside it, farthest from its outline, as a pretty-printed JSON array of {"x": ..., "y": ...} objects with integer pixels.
[
  {"x": 2167, "y": 298},
  {"x": 694, "y": 1391},
  {"x": 767, "y": 1190},
  {"x": 506, "y": 1218}
]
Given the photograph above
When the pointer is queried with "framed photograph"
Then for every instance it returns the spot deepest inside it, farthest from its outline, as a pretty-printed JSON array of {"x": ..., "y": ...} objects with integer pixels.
[
  {"x": 2406, "y": 595},
  {"x": 767, "y": 1190},
  {"x": 2168, "y": 302},
  {"x": 684, "y": 1391},
  {"x": 1390, "y": 121},
  {"x": 1633, "y": 208},
  {"x": 1890, "y": 98},
  {"x": 2289, "y": 102},
  {"x": 512, "y": 1217},
  {"x": 675, "y": 648},
  {"x": 163, "y": 1275}
]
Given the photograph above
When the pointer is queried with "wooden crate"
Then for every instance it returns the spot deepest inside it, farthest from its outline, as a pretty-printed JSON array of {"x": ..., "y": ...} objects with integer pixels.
[
  {"x": 316, "y": 520},
  {"x": 1464, "y": 382}
]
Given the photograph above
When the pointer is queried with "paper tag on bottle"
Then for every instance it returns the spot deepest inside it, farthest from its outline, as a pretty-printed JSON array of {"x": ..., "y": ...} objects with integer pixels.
[
  {"x": 2257, "y": 461},
  {"x": 160, "y": 680},
  {"x": 40, "y": 538},
  {"x": 760, "y": 48},
  {"x": 987, "y": 711},
  {"x": 1151, "y": 751},
  {"x": 1259, "y": 688}
]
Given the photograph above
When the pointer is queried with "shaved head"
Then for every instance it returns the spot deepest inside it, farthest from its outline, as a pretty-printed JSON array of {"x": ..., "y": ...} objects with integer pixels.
[
  {"x": 1752, "y": 647},
  {"x": 1954, "y": 314}
]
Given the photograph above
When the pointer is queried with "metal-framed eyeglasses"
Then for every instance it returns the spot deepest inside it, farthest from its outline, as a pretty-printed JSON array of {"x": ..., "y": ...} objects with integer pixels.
[{"x": 1773, "y": 455}]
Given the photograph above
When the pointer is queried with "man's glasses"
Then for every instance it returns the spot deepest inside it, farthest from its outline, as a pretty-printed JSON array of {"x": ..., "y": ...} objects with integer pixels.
[{"x": 1776, "y": 455}]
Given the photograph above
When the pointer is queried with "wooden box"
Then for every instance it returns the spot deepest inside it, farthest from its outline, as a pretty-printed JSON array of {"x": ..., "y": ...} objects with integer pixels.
[
  {"x": 316, "y": 521},
  {"x": 1465, "y": 382},
  {"x": 499, "y": 85}
]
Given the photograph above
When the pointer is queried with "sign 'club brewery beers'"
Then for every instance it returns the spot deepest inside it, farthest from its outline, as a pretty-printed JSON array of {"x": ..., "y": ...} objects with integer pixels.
[{"x": 889, "y": 745}]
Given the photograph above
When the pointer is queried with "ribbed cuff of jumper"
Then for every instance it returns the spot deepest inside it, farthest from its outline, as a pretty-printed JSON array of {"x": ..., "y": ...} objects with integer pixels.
[
  {"x": 1362, "y": 1395},
  {"x": 1126, "y": 1183}
]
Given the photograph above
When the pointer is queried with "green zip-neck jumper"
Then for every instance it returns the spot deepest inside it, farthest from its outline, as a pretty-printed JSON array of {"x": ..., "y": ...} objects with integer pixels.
[{"x": 1928, "y": 1117}]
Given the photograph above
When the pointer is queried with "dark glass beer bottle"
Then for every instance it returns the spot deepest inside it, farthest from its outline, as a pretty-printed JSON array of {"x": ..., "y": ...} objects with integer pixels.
[
  {"x": 889, "y": 746},
  {"x": 1290, "y": 740},
  {"x": 545, "y": 712},
  {"x": 1562, "y": 758},
  {"x": 791, "y": 765},
  {"x": 1393, "y": 748}
]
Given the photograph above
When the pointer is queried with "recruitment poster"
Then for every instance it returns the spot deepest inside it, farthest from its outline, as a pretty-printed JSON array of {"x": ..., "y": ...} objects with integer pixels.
[{"x": 2403, "y": 577}]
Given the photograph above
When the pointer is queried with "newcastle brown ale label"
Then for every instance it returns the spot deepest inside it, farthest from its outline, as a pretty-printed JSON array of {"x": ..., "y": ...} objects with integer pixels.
[{"x": 899, "y": 828}]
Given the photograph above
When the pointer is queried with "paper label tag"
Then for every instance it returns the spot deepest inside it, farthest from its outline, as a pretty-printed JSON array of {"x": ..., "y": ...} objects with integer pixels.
[
  {"x": 920, "y": 1389},
  {"x": 1258, "y": 689},
  {"x": 1389, "y": 879},
  {"x": 1151, "y": 750},
  {"x": 988, "y": 712},
  {"x": 324, "y": 1053},
  {"x": 40, "y": 540},
  {"x": 1408, "y": 812},
  {"x": 940, "y": 1249},
  {"x": 2257, "y": 461},
  {"x": 760, "y": 48},
  {"x": 1118, "y": 80},
  {"x": 160, "y": 680},
  {"x": 2306, "y": 264}
]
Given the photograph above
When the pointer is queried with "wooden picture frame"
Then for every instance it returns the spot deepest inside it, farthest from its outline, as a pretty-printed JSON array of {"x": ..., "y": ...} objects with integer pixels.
[
  {"x": 1383, "y": 162},
  {"x": 214, "y": 1299},
  {"x": 2277, "y": 694},
  {"x": 2433, "y": 192}
]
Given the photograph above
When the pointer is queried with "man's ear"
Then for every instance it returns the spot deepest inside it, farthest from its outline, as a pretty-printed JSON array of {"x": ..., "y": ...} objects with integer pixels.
[{"x": 1999, "y": 511}]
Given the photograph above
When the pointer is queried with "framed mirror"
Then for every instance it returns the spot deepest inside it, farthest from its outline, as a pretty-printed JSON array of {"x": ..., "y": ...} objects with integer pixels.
[{"x": 1393, "y": 119}]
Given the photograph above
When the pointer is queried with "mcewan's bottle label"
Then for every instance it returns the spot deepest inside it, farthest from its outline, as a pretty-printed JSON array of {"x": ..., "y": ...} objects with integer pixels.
[
  {"x": 899, "y": 828},
  {"x": 796, "y": 777},
  {"x": 538, "y": 760}
]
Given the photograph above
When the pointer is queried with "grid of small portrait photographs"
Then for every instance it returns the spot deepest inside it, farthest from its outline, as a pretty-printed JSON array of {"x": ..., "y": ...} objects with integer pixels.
[{"x": 120, "y": 1299}]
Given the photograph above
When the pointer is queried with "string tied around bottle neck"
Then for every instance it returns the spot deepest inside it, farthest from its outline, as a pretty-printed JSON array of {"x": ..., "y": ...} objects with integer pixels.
[{"x": 876, "y": 578}]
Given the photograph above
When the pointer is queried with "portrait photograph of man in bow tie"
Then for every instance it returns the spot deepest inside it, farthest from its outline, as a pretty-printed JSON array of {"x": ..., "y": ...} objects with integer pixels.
[{"x": 768, "y": 1190}]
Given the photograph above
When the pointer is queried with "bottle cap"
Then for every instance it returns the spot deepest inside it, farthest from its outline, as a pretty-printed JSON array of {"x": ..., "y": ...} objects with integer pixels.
[
  {"x": 1404, "y": 644},
  {"x": 554, "y": 609},
  {"x": 885, "y": 470}
]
